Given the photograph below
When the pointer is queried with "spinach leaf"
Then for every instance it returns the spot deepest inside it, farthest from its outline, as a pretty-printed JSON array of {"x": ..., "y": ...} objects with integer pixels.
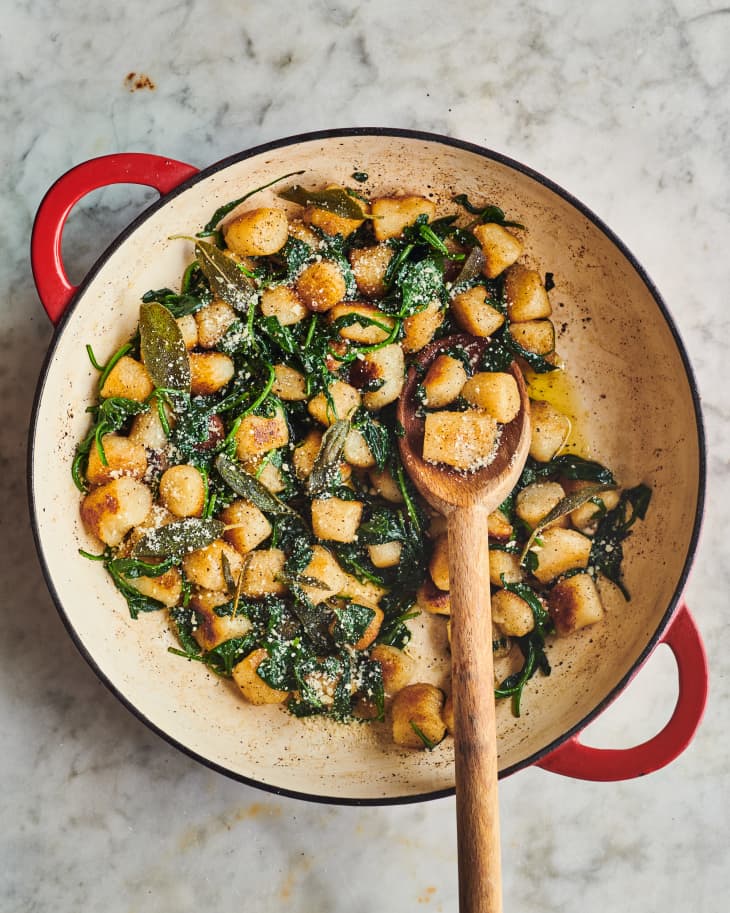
[
  {"x": 243, "y": 397},
  {"x": 513, "y": 685},
  {"x": 388, "y": 524},
  {"x": 235, "y": 341},
  {"x": 112, "y": 413},
  {"x": 136, "y": 602},
  {"x": 277, "y": 669},
  {"x": 444, "y": 227},
  {"x": 488, "y": 213},
  {"x": 106, "y": 369},
  {"x": 427, "y": 743},
  {"x": 313, "y": 357},
  {"x": 342, "y": 699},
  {"x": 351, "y": 622},
  {"x": 183, "y": 619},
  {"x": 538, "y": 363},
  {"x": 133, "y": 568},
  {"x": 332, "y": 247},
  {"x": 192, "y": 431},
  {"x": 352, "y": 557},
  {"x": 497, "y": 356},
  {"x": 419, "y": 283},
  {"x": 532, "y": 646},
  {"x": 414, "y": 509},
  {"x": 385, "y": 524},
  {"x": 273, "y": 617},
  {"x": 223, "y": 211},
  {"x": 376, "y": 435},
  {"x": 286, "y": 265},
  {"x": 281, "y": 336},
  {"x": 607, "y": 550},
  {"x": 431, "y": 235},
  {"x": 300, "y": 549},
  {"x": 503, "y": 349},
  {"x": 109, "y": 416},
  {"x": 571, "y": 466},
  {"x": 398, "y": 608},
  {"x": 315, "y": 683},
  {"x": 296, "y": 253},
  {"x": 179, "y": 305},
  {"x": 228, "y": 654},
  {"x": 370, "y": 678}
]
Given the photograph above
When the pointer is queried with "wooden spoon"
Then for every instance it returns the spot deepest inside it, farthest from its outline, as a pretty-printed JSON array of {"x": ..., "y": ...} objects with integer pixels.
[{"x": 466, "y": 499}]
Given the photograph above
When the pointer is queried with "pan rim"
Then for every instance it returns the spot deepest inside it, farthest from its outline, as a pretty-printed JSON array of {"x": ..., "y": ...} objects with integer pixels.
[{"x": 437, "y": 139}]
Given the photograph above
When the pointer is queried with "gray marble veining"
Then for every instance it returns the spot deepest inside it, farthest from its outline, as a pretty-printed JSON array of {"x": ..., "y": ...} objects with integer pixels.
[{"x": 624, "y": 104}]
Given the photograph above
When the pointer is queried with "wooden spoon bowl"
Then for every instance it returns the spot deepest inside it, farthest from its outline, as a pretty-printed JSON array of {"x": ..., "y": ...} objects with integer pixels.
[
  {"x": 466, "y": 499},
  {"x": 442, "y": 486}
]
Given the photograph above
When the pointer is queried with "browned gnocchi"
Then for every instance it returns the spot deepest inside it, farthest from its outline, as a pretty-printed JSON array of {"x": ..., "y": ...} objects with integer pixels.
[{"x": 242, "y": 471}]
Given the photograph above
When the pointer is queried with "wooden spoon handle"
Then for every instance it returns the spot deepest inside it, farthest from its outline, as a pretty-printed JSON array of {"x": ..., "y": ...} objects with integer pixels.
[{"x": 477, "y": 806}]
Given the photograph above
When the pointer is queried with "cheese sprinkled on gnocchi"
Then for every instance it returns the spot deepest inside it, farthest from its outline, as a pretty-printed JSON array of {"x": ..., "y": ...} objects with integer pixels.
[{"x": 242, "y": 471}]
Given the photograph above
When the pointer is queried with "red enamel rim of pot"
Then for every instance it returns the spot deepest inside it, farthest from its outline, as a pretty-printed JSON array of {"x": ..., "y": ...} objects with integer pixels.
[{"x": 564, "y": 754}]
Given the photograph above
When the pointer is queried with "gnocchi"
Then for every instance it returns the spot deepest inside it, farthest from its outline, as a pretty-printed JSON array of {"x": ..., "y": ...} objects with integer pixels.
[{"x": 242, "y": 471}]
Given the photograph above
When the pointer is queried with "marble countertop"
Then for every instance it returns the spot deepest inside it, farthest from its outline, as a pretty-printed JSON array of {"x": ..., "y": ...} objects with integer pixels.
[{"x": 624, "y": 104}]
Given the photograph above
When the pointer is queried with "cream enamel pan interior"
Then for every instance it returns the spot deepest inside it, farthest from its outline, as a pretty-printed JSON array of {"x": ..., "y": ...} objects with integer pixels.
[{"x": 640, "y": 414}]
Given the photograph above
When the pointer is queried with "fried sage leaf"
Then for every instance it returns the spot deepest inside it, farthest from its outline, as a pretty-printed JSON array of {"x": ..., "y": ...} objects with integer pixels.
[
  {"x": 163, "y": 348},
  {"x": 565, "y": 506},
  {"x": 337, "y": 201},
  {"x": 226, "y": 278},
  {"x": 249, "y": 488},
  {"x": 472, "y": 266},
  {"x": 326, "y": 469},
  {"x": 223, "y": 211},
  {"x": 178, "y": 538}
]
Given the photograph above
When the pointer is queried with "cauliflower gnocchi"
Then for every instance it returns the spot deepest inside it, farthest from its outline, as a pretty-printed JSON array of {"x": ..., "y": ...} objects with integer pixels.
[{"x": 242, "y": 471}]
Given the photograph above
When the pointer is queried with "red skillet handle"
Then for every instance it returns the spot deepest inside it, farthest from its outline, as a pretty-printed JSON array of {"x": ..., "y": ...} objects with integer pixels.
[
  {"x": 573, "y": 759},
  {"x": 53, "y": 285}
]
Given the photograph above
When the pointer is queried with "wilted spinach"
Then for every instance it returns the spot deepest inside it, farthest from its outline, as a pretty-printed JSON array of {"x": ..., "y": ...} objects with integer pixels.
[{"x": 607, "y": 552}]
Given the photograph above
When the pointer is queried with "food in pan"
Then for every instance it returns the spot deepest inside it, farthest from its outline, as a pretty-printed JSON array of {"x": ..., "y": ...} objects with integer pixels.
[{"x": 242, "y": 467}]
